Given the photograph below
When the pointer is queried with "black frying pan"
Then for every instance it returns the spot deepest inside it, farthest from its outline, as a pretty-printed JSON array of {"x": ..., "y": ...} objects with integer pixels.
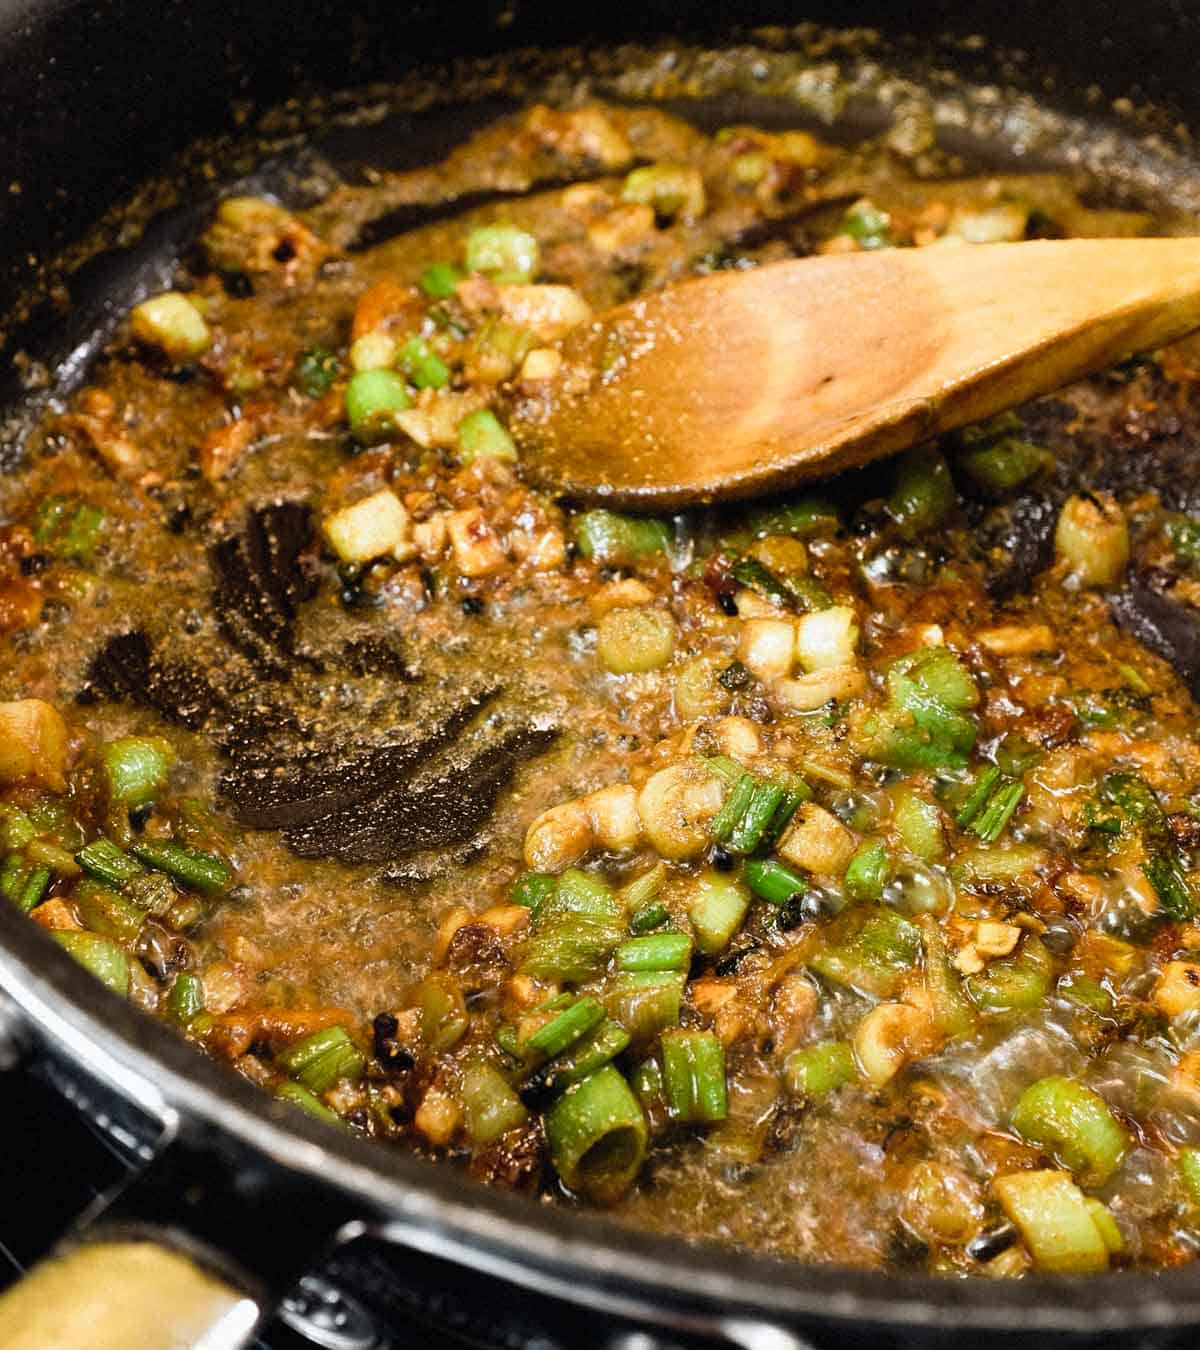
[{"x": 240, "y": 1195}]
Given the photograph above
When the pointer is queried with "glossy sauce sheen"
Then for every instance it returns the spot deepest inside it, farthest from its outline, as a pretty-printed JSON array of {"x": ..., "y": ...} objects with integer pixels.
[{"x": 367, "y": 744}]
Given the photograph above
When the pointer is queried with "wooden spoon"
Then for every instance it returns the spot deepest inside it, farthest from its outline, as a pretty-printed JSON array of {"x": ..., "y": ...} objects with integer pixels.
[{"x": 745, "y": 382}]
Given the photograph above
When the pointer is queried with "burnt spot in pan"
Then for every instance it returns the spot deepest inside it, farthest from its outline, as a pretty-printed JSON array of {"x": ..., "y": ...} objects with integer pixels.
[
  {"x": 292, "y": 793},
  {"x": 334, "y": 753},
  {"x": 1019, "y": 541},
  {"x": 126, "y": 669},
  {"x": 260, "y": 582},
  {"x": 449, "y": 806},
  {"x": 1168, "y": 627}
]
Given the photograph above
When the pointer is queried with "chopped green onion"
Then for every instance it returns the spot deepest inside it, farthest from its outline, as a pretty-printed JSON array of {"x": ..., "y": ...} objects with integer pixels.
[
  {"x": 618, "y": 541},
  {"x": 504, "y": 252},
  {"x": 12, "y": 877},
  {"x": 490, "y": 1106},
  {"x": 884, "y": 738},
  {"x": 1055, "y": 1220},
  {"x": 949, "y": 1006},
  {"x": 793, "y": 798},
  {"x": 936, "y": 674},
  {"x": 656, "y": 951},
  {"x": 482, "y": 436},
  {"x": 868, "y": 224},
  {"x": 1188, "y": 1163},
  {"x": 186, "y": 999},
  {"x": 1171, "y": 886},
  {"x": 444, "y": 1019},
  {"x": 1085, "y": 991},
  {"x": 757, "y": 818},
  {"x": 805, "y": 516},
  {"x": 693, "y": 1064},
  {"x": 579, "y": 892},
  {"x": 717, "y": 911},
  {"x": 204, "y": 871},
  {"x": 977, "y": 798},
  {"x": 1074, "y": 1123},
  {"x": 772, "y": 881},
  {"x": 43, "y": 853},
  {"x": 423, "y": 366},
  {"x": 315, "y": 372},
  {"x": 440, "y": 280},
  {"x": 989, "y": 824},
  {"x": 16, "y": 829},
  {"x": 68, "y": 528},
  {"x": 596, "y": 1133},
  {"x": 108, "y": 912},
  {"x": 571, "y": 947},
  {"x": 1134, "y": 678},
  {"x": 868, "y": 872},
  {"x": 647, "y": 1083},
  {"x": 567, "y": 1027},
  {"x": 638, "y": 893},
  {"x": 575, "y": 930},
  {"x": 373, "y": 398},
  {"x": 814, "y": 1070},
  {"x": 1016, "y": 755},
  {"x": 749, "y": 572},
  {"x": 651, "y": 917},
  {"x": 299, "y": 1096},
  {"x": 923, "y": 495},
  {"x": 33, "y": 892},
  {"x": 591, "y": 1052},
  {"x": 733, "y": 808},
  {"x": 1003, "y": 465},
  {"x": 320, "y": 1060},
  {"x": 104, "y": 959},
  {"x": 918, "y": 823},
  {"x": 1018, "y": 981},
  {"x": 871, "y": 948},
  {"x": 646, "y": 1002},
  {"x": 533, "y": 890},
  {"x": 136, "y": 768},
  {"x": 106, "y": 862},
  {"x": 726, "y": 769},
  {"x": 156, "y": 894},
  {"x": 508, "y": 1040}
]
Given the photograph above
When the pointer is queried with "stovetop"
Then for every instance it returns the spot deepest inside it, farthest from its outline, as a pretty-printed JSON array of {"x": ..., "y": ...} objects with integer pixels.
[
  {"x": 42, "y": 1137},
  {"x": 364, "y": 1296}
]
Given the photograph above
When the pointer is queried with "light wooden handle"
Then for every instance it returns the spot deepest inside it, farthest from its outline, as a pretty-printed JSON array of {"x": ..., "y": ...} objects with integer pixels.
[{"x": 124, "y": 1295}]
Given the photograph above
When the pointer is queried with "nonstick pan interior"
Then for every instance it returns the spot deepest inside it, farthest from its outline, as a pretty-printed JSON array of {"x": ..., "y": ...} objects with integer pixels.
[{"x": 296, "y": 164}]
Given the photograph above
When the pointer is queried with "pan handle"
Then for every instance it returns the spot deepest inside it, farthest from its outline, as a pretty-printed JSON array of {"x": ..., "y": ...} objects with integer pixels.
[{"x": 125, "y": 1294}]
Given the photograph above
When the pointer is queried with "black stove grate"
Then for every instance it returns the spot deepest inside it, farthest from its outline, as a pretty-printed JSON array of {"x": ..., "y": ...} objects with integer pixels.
[{"x": 72, "y": 1162}]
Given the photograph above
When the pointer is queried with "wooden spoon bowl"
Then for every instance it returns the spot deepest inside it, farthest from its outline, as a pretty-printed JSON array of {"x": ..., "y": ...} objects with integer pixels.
[{"x": 742, "y": 383}]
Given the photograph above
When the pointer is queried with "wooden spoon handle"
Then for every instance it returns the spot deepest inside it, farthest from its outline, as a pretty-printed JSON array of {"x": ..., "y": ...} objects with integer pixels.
[{"x": 744, "y": 382}]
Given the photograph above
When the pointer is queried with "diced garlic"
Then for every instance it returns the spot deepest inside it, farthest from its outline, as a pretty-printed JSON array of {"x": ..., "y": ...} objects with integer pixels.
[
  {"x": 614, "y": 816},
  {"x": 817, "y": 841},
  {"x": 807, "y": 693},
  {"x": 476, "y": 550},
  {"x": 173, "y": 324},
  {"x": 889, "y": 1037},
  {"x": 33, "y": 743},
  {"x": 827, "y": 638},
  {"x": 767, "y": 647},
  {"x": 372, "y": 528},
  {"x": 559, "y": 837},
  {"x": 1178, "y": 989}
]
